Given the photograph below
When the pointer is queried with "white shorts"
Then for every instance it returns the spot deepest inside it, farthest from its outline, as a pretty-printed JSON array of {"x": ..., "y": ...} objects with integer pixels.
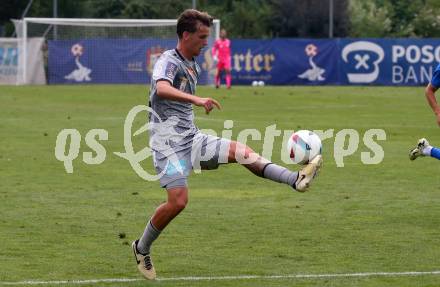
[{"x": 205, "y": 152}]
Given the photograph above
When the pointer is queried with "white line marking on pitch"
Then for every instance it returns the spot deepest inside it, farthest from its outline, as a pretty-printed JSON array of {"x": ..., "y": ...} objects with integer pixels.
[{"x": 238, "y": 277}]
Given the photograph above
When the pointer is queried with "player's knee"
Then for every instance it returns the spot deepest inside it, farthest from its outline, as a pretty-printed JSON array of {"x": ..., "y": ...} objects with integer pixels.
[
  {"x": 177, "y": 206},
  {"x": 238, "y": 150},
  {"x": 180, "y": 205},
  {"x": 178, "y": 199}
]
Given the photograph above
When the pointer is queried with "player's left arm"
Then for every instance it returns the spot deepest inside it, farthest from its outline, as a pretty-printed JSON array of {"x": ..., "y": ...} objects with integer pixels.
[
  {"x": 167, "y": 91},
  {"x": 430, "y": 96}
]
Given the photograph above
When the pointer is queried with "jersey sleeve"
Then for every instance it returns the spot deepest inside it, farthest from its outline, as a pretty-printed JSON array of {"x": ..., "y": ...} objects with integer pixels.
[
  {"x": 435, "y": 81},
  {"x": 165, "y": 69}
]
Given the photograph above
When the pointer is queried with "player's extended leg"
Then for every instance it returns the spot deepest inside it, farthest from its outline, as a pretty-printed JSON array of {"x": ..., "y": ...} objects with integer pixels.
[
  {"x": 177, "y": 200},
  {"x": 262, "y": 167},
  {"x": 424, "y": 149},
  {"x": 228, "y": 78},
  {"x": 217, "y": 77}
]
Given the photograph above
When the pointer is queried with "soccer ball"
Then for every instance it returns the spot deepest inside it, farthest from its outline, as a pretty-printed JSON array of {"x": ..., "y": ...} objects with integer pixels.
[
  {"x": 303, "y": 146},
  {"x": 254, "y": 83},
  {"x": 261, "y": 83}
]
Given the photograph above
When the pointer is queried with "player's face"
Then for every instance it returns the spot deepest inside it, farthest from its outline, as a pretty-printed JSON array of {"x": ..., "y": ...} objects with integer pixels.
[
  {"x": 223, "y": 34},
  {"x": 198, "y": 40}
]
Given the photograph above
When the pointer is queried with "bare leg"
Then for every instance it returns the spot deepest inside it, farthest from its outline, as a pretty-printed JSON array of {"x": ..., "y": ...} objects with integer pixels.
[
  {"x": 228, "y": 78},
  {"x": 262, "y": 167},
  {"x": 217, "y": 78},
  {"x": 177, "y": 200},
  {"x": 239, "y": 150}
]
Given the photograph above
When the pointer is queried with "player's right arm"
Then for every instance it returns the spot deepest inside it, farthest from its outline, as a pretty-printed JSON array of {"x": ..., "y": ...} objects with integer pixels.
[
  {"x": 430, "y": 93},
  {"x": 167, "y": 91},
  {"x": 430, "y": 96}
]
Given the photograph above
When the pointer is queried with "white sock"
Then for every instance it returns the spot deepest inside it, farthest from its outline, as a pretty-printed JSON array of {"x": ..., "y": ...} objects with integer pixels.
[
  {"x": 280, "y": 174},
  {"x": 150, "y": 234},
  {"x": 427, "y": 150}
]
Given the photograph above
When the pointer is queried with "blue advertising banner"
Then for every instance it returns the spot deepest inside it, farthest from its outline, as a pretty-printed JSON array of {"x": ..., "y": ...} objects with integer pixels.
[
  {"x": 275, "y": 61},
  {"x": 336, "y": 62},
  {"x": 388, "y": 61},
  {"x": 8, "y": 61},
  {"x": 117, "y": 61},
  {"x": 284, "y": 61}
]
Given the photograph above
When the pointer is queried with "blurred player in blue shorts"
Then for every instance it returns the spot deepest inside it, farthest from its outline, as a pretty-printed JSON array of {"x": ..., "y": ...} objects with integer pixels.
[
  {"x": 423, "y": 148},
  {"x": 178, "y": 145}
]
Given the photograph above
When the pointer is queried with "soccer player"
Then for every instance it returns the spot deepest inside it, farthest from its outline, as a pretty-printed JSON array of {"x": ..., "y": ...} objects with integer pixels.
[
  {"x": 430, "y": 93},
  {"x": 178, "y": 144},
  {"x": 222, "y": 55},
  {"x": 423, "y": 148}
]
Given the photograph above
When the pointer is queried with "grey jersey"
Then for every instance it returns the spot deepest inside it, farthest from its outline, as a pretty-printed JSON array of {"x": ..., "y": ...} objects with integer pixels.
[{"x": 173, "y": 125}]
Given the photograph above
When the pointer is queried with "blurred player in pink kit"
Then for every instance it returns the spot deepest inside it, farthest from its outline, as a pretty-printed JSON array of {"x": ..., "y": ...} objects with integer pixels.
[{"x": 222, "y": 55}]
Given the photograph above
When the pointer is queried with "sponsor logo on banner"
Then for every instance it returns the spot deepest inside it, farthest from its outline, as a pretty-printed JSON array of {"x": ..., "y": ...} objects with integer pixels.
[
  {"x": 365, "y": 56},
  {"x": 153, "y": 54},
  {"x": 8, "y": 60},
  {"x": 82, "y": 73},
  {"x": 315, "y": 73},
  {"x": 135, "y": 66},
  {"x": 414, "y": 63}
]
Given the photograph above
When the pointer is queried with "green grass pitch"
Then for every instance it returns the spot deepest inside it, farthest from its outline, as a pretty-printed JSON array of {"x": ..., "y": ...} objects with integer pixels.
[{"x": 358, "y": 218}]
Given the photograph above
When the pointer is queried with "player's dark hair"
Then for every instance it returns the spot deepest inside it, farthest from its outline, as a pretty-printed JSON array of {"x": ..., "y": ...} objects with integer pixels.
[{"x": 189, "y": 21}]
